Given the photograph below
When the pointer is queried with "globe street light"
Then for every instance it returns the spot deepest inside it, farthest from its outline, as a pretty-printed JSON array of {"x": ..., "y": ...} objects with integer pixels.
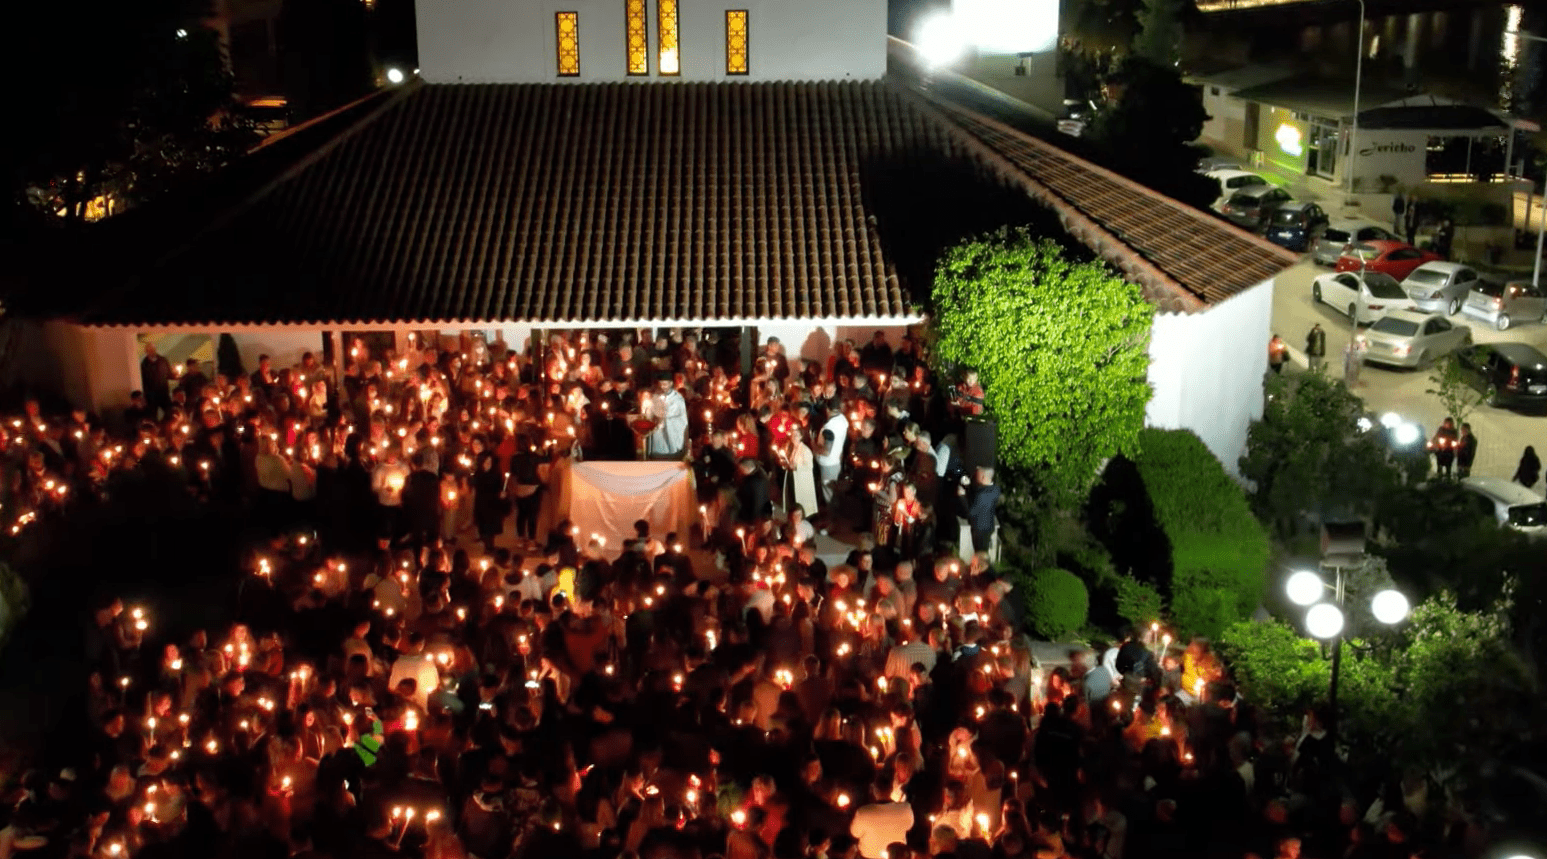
[{"x": 1325, "y": 620}]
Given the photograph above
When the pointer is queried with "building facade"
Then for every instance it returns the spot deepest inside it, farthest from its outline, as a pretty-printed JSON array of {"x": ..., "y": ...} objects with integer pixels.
[{"x": 591, "y": 41}]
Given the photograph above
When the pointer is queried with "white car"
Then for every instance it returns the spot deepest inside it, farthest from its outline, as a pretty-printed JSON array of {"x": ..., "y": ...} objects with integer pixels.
[
  {"x": 1509, "y": 504},
  {"x": 1411, "y": 338},
  {"x": 1231, "y": 181},
  {"x": 1363, "y": 297}
]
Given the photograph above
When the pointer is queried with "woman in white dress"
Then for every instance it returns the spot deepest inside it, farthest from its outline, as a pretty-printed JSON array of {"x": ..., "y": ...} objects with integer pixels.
[{"x": 802, "y": 465}]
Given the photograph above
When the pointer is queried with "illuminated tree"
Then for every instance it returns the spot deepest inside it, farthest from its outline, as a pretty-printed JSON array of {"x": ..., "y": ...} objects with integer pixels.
[{"x": 1062, "y": 348}]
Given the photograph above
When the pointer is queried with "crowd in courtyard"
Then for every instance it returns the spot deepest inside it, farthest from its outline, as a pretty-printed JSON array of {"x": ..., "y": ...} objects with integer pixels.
[{"x": 428, "y": 661}]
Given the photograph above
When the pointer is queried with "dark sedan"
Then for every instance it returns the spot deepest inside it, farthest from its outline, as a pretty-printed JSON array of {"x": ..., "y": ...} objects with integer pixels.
[
  {"x": 1294, "y": 224},
  {"x": 1252, "y": 207}
]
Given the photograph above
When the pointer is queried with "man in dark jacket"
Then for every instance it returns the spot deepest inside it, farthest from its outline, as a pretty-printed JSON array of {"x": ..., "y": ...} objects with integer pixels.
[
  {"x": 982, "y": 500},
  {"x": 155, "y": 379},
  {"x": 421, "y": 504},
  {"x": 752, "y": 504}
]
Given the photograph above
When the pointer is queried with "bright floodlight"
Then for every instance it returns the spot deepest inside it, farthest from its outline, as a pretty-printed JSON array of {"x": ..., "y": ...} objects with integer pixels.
[
  {"x": 394, "y": 76},
  {"x": 1406, "y": 434},
  {"x": 1324, "y": 620},
  {"x": 1390, "y": 420},
  {"x": 1304, "y": 587},
  {"x": 1008, "y": 26},
  {"x": 940, "y": 39},
  {"x": 1389, "y": 606}
]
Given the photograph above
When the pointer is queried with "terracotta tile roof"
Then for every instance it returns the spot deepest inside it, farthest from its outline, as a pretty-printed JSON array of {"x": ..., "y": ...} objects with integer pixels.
[
  {"x": 1185, "y": 259},
  {"x": 576, "y": 203}
]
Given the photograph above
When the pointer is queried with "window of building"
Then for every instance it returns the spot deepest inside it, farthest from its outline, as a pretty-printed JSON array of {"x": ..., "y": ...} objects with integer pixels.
[
  {"x": 666, "y": 25},
  {"x": 1213, "y": 90},
  {"x": 735, "y": 41},
  {"x": 637, "y": 33},
  {"x": 567, "y": 25}
]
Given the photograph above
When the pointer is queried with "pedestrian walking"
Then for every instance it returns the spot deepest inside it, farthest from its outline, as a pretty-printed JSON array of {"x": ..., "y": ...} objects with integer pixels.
[
  {"x": 1411, "y": 221},
  {"x": 1353, "y": 362},
  {"x": 1444, "y": 447},
  {"x": 1398, "y": 209},
  {"x": 1529, "y": 470},
  {"x": 1466, "y": 451},
  {"x": 1316, "y": 348},
  {"x": 1278, "y": 353}
]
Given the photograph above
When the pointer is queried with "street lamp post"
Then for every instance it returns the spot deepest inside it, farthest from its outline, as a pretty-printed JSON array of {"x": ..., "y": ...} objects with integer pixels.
[
  {"x": 1353, "y": 134},
  {"x": 1324, "y": 620}
]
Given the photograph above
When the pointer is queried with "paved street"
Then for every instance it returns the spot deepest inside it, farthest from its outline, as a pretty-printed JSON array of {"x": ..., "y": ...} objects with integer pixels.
[{"x": 1501, "y": 433}]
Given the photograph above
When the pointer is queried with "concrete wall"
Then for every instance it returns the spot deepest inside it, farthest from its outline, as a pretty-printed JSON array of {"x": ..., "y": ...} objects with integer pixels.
[
  {"x": 1402, "y": 154},
  {"x": 284, "y": 346},
  {"x": 1207, "y": 371},
  {"x": 1226, "y": 125},
  {"x": 503, "y": 41},
  {"x": 92, "y": 367}
]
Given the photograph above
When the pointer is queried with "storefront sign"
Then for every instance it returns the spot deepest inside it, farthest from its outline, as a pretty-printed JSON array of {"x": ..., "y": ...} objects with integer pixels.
[{"x": 1397, "y": 147}]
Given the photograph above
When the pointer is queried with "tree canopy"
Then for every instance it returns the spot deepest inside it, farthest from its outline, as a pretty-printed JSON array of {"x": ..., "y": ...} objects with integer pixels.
[
  {"x": 136, "y": 96},
  {"x": 1061, "y": 345},
  {"x": 1147, "y": 122},
  {"x": 1309, "y": 454}
]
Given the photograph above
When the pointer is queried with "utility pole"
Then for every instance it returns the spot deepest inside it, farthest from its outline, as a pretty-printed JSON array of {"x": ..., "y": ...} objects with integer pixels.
[{"x": 1353, "y": 134}]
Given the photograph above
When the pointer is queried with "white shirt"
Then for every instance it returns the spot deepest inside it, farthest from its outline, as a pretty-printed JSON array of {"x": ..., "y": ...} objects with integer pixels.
[
  {"x": 881, "y": 824},
  {"x": 838, "y": 425}
]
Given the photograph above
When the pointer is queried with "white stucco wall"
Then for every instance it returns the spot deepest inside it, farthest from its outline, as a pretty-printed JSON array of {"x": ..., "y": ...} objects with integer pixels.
[
  {"x": 502, "y": 41},
  {"x": 284, "y": 346},
  {"x": 1207, "y": 371},
  {"x": 95, "y": 368}
]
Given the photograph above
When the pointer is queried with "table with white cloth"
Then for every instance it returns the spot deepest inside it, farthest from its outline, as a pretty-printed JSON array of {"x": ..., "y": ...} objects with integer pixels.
[{"x": 607, "y": 498}]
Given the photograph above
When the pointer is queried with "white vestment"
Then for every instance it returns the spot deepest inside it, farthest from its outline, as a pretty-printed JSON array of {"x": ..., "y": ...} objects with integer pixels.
[{"x": 670, "y": 412}]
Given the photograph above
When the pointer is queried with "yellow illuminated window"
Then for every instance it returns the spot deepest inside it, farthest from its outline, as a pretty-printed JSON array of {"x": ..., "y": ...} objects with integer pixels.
[
  {"x": 735, "y": 41},
  {"x": 638, "y": 36},
  {"x": 670, "y": 63},
  {"x": 568, "y": 26}
]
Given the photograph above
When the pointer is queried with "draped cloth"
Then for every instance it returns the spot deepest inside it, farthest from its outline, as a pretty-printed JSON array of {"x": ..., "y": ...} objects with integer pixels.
[{"x": 606, "y": 498}]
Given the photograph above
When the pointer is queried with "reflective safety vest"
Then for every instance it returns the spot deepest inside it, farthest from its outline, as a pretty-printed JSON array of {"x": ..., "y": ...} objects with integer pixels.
[{"x": 368, "y": 747}]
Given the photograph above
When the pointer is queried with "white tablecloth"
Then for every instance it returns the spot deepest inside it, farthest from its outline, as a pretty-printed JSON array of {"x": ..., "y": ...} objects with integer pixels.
[{"x": 606, "y": 498}]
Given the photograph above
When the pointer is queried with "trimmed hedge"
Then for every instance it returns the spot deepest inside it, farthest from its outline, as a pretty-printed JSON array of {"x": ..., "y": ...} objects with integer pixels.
[
  {"x": 1219, "y": 551},
  {"x": 1054, "y": 602}
]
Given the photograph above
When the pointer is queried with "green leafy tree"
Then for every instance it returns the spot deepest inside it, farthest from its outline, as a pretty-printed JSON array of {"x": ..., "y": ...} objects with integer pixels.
[
  {"x": 1146, "y": 126},
  {"x": 1062, "y": 348},
  {"x": 1453, "y": 391},
  {"x": 139, "y": 101},
  {"x": 1310, "y": 454},
  {"x": 1160, "y": 31}
]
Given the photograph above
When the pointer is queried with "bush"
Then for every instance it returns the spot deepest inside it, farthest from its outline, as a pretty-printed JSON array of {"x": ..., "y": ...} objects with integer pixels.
[
  {"x": 1138, "y": 603},
  {"x": 1054, "y": 602},
  {"x": 1219, "y": 551},
  {"x": 1274, "y": 667}
]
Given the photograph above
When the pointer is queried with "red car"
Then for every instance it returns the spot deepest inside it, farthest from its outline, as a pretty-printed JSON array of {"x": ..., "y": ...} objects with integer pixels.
[{"x": 1386, "y": 256}]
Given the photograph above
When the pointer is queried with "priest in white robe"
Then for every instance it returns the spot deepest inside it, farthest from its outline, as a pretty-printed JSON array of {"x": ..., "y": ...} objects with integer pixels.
[{"x": 670, "y": 412}]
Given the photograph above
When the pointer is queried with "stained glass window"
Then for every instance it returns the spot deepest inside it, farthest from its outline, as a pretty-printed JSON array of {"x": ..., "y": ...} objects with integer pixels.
[
  {"x": 568, "y": 26},
  {"x": 638, "y": 36},
  {"x": 669, "y": 63},
  {"x": 735, "y": 41}
]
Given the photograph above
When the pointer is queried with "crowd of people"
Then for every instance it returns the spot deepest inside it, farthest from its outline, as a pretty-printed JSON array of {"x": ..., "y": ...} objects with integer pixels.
[{"x": 430, "y": 661}]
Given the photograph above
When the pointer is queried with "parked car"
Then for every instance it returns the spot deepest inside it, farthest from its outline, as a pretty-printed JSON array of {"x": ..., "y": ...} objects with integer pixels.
[
  {"x": 1331, "y": 242},
  {"x": 1440, "y": 287},
  {"x": 1251, "y": 207},
  {"x": 1508, "y": 374},
  {"x": 1231, "y": 180},
  {"x": 1293, "y": 225},
  {"x": 1509, "y": 504},
  {"x": 1218, "y": 162},
  {"x": 1504, "y": 304},
  {"x": 1412, "y": 338},
  {"x": 1365, "y": 298},
  {"x": 1386, "y": 256}
]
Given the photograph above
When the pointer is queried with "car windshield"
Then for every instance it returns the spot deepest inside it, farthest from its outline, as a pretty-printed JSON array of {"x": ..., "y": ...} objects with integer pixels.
[
  {"x": 1528, "y": 515},
  {"x": 1244, "y": 198},
  {"x": 1286, "y": 217},
  {"x": 1335, "y": 235},
  {"x": 1364, "y": 252},
  {"x": 1427, "y": 277},
  {"x": 1392, "y": 325},
  {"x": 1383, "y": 286}
]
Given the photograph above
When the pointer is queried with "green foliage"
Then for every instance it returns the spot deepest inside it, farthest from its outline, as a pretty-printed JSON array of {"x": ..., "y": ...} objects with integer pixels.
[
  {"x": 1308, "y": 454},
  {"x": 1219, "y": 551},
  {"x": 129, "y": 108},
  {"x": 1061, "y": 346},
  {"x": 1137, "y": 602},
  {"x": 1054, "y": 602},
  {"x": 1274, "y": 666},
  {"x": 1147, "y": 126},
  {"x": 1458, "y": 397},
  {"x": 1160, "y": 32},
  {"x": 1445, "y": 689}
]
